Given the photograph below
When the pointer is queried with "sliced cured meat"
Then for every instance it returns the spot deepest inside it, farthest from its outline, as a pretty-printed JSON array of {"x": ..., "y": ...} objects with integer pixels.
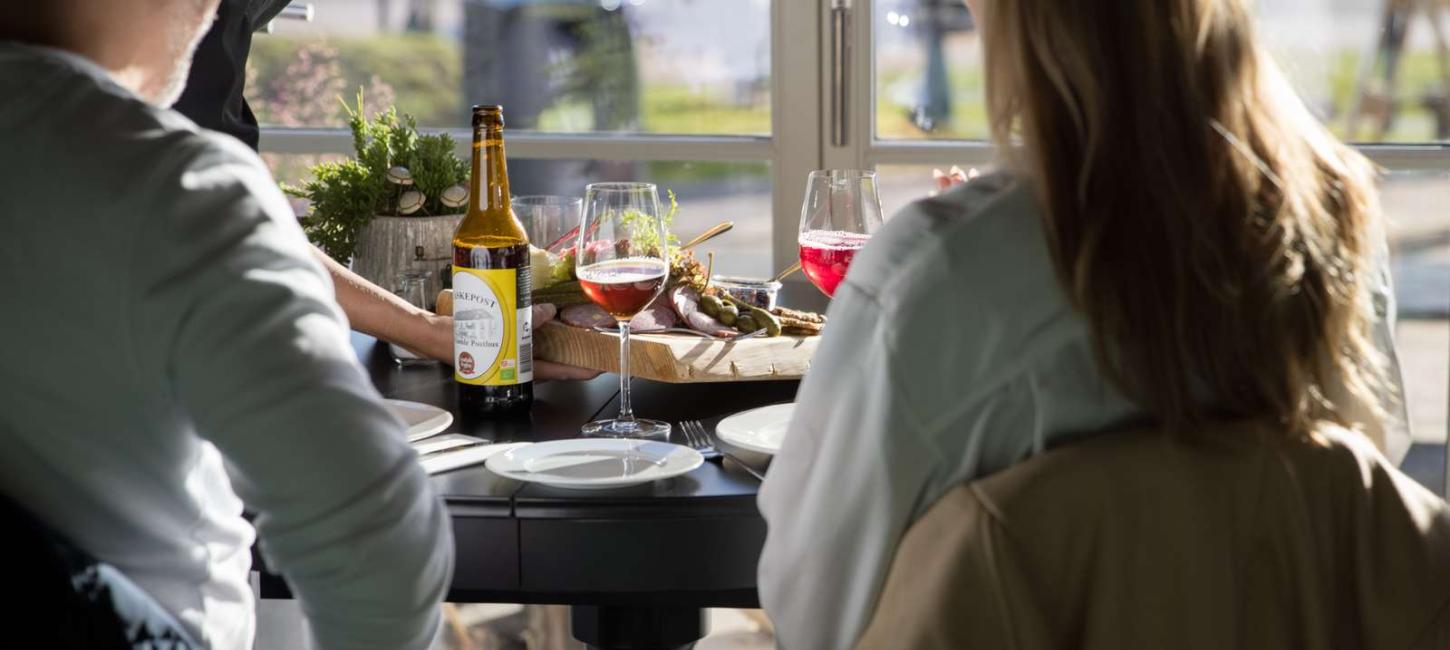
[
  {"x": 544, "y": 312},
  {"x": 686, "y": 302},
  {"x": 587, "y": 316},
  {"x": 658, "y": 316}
]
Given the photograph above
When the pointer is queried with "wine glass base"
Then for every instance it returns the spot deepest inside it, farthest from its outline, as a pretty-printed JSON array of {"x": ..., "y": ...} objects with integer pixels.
[{"x": 637, "y": 428}]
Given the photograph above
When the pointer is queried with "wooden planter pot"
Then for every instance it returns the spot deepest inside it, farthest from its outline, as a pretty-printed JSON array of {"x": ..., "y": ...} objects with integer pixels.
[{"x": 389, "y": 246}]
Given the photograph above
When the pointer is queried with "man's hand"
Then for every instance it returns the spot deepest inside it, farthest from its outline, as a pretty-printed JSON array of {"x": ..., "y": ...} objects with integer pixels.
[{"x": 546, "y": 370}]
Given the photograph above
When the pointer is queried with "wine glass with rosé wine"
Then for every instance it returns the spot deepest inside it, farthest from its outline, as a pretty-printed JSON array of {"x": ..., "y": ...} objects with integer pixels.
[
  {"x": 622, "y": 264},
  {"x": 841, "y": 211}
]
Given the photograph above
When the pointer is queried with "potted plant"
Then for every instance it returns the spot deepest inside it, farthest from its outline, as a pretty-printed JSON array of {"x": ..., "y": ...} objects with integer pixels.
[{"x": 394, "y": 206}]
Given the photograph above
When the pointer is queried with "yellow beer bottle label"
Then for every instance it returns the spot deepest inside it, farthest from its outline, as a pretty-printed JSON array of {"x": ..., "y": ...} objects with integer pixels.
[{"x": 492, "y": 332}]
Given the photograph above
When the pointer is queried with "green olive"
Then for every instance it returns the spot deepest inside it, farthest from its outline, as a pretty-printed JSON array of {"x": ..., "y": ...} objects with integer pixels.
[
  {"x": 711, "y": 305},
  {"x": 729, "y": 314},
  {"x": 770, "y": 323},
  {"x": 746, "y": 324}
]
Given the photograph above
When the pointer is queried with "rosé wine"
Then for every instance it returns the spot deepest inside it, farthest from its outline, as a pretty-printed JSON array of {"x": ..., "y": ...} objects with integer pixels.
[
  {"x": 826, "y": 256},
  {"x": 623, "y": 287}
]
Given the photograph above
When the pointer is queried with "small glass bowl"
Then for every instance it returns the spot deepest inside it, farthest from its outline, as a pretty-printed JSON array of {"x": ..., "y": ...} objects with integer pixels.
[{"x": 752, "y": 291}]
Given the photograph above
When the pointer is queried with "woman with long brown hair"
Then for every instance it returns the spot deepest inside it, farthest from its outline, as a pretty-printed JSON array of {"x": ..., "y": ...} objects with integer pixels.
[{"x": 1174, "y": 239}]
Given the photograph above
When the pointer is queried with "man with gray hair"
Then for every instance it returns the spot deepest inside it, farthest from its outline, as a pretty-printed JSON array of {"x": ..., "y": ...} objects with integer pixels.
[{"x": 173, "y": 351}]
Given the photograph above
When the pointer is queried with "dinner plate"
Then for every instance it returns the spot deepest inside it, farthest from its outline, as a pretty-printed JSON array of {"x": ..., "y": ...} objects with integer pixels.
[
  {"x": 423, "y": 420},
  {"x": 595, "y": 463},
  {"x": 759, "y": 430}
]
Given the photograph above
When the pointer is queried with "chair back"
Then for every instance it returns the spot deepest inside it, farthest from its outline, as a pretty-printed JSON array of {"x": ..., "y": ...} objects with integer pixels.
[
  {"x": 63, "y": 598},
  {"x": 1232, "y": 536}
]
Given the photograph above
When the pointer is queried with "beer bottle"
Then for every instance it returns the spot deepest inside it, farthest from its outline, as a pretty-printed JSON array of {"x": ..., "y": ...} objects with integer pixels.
[{"x": 492, "y": 342}]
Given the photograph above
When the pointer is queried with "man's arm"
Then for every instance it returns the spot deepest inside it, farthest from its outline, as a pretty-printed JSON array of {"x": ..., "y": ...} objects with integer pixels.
[
  {"x": 230, "y": 311},
  {"x": 377, "y": 312},
  {"x": 381, "y": 314}
]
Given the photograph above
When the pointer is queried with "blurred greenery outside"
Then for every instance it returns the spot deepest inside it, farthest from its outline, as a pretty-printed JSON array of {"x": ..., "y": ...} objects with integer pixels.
[
  {"x": 425, "y": 75},
  {"x": 1419, "y": 76},
  {"x": 425, "y": 71}
]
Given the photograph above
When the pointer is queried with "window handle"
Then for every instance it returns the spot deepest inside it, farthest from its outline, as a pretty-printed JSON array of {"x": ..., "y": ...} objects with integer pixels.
[
  {"x": 840, "y": 71},
  {"x": 297, "y": 11},
  {"x": 302, "y": 11}
]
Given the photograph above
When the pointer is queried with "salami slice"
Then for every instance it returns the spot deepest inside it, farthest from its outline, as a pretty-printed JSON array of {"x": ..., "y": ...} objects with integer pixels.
[
  {"x": 658, "y": 316},
  {"x": 587, "y": 316},
  {"x": 544, "y": 312},
  {"x": 686, "y": 302}
]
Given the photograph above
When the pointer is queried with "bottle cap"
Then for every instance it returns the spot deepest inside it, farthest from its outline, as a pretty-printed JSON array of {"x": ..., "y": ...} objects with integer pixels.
[{"x": 487, "y": 113}]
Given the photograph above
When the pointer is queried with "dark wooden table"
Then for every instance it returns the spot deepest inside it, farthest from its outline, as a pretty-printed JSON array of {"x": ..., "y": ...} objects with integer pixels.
[{"x": 637, "y": 565}]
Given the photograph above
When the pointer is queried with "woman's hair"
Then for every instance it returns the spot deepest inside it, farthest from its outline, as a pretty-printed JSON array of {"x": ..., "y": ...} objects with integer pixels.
[{"x": 1218, "y": 239}]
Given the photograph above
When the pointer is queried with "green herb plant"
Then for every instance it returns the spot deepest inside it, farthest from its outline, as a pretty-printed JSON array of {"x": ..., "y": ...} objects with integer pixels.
[
  {"x": 644, "y": 235},
  {"x": 346, "y": 195}
]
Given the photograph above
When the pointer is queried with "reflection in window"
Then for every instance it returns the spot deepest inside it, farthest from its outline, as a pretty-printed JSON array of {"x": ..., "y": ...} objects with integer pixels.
[
  {"x": 574, "y": 66},
  {"x": 1372, "y": 69}
]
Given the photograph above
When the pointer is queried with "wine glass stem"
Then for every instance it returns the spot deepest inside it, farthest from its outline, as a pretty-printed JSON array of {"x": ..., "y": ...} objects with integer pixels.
[{"x": 626, "y": 411}]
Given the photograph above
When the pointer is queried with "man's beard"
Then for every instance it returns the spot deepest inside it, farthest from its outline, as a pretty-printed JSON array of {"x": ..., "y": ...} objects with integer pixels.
[{"x": 176, "y": 82}]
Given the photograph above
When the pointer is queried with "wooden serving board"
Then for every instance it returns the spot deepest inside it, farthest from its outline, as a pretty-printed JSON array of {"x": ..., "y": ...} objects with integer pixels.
[{"x": 678, "y": 358}]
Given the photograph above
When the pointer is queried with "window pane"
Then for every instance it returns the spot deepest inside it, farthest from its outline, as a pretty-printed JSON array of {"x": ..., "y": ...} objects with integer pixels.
[
  {"x": 657, "y": 66},
  {"x": 1420, "y": 245},
  {"x": 928, "y": 71},
  {"x": 1369, "y": 82},
  {"x": 1420, "y": 248},
  {"x": 294, "y": 169},
  {"x": 708, "y": 193},
  {"x": 902, "y": 184},
  {"x": 1373, "y": 74}
]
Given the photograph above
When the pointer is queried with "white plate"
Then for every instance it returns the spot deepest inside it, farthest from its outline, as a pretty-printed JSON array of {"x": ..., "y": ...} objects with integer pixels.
[
  {"x": 423, "y": 420},
  {"x": 595, "y": 463},
  {"x": 759, "y": 430}
]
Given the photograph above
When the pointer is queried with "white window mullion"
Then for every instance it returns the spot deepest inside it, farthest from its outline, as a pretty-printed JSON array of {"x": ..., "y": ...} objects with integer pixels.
[
  {"x": 1408, "y": 158},
  {"x": 528, "y": 144},
  {"x": 852, "y": 104},
  {"x": 797, "y": 96},
  {"x": 941, "y": 154},
  {"x": 632, "y": 147}
]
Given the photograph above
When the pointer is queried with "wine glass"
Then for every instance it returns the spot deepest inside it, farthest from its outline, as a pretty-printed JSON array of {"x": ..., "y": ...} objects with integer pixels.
[
  {"x": 841, "y": 211},
  {"x": 622, "y": 264}
]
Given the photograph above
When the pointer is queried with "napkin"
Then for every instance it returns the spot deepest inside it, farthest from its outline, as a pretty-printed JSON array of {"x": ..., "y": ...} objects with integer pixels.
[
  {"x": 464, "y": 457},
  {"x": 446, "y": 441}
]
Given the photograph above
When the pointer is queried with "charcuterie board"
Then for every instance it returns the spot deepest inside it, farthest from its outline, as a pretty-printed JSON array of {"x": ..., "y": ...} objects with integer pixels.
[{"x": 678, "y": 358}]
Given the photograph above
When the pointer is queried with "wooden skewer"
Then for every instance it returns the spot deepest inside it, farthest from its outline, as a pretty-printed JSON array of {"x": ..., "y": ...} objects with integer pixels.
[
  {"x": 712, "y": 233},
  {"x": 787, "y": 272}
]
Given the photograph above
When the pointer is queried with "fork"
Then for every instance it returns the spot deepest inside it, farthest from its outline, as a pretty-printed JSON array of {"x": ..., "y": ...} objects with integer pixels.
[{"x": 698, "y": 438}]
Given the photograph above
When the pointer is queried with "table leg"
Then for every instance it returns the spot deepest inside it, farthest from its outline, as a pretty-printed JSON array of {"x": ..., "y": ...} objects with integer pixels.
[{"x": 638, "y": 628}]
